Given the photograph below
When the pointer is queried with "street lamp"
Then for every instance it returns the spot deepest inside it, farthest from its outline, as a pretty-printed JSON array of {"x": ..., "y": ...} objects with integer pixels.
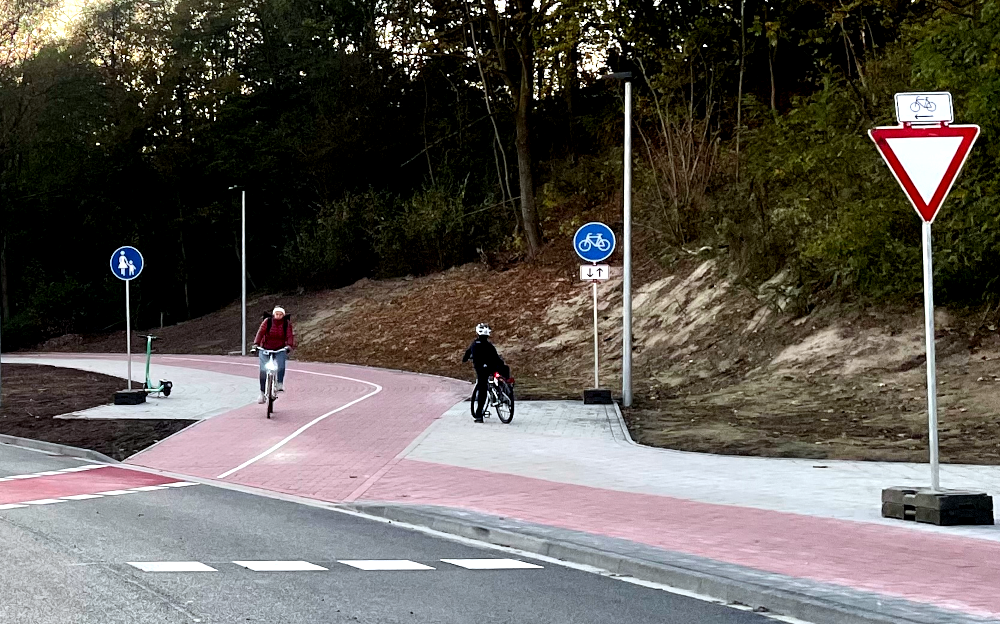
[
  {"x": 626, "y": 77},
  {"x": 243, "y": 260}
]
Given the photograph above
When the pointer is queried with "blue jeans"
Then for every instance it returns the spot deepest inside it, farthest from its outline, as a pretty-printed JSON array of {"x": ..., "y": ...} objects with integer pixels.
[{"x": 280, "y": 358}]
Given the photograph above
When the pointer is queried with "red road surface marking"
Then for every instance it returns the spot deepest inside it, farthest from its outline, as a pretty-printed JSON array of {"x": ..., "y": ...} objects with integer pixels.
[{"x": 74, "y": 483}]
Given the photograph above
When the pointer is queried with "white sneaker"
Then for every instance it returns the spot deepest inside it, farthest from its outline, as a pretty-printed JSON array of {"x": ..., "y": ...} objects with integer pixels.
[
  {"x": 281, "y": 387},
  {"x": 260, "y": 398}
]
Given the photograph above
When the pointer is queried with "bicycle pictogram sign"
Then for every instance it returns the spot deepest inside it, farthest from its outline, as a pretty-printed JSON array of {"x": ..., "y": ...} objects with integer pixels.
[{"x": 594, "y": 242}]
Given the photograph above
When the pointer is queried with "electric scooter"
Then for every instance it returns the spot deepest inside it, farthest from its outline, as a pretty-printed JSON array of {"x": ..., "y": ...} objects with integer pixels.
[{"x": 165, "y": 387}]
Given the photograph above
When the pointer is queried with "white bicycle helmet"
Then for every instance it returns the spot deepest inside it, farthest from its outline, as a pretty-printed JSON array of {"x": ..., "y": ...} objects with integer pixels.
[{"x": 483, "y": 329}]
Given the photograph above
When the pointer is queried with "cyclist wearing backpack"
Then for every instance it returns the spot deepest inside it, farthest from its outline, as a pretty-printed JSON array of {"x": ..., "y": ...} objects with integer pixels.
[
  {"x": 486, "y": 361},
  {"x": 275, "y": 334}
]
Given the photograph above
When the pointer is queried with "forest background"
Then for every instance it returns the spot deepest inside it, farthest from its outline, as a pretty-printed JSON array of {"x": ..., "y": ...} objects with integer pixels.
[{"x": 380, "y": 138}]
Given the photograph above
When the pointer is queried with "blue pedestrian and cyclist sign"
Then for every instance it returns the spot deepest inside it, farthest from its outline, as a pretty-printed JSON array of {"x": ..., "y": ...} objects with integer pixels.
[
  {"x": 126, "y": 263},
  {"x": 594, "y": 242}
]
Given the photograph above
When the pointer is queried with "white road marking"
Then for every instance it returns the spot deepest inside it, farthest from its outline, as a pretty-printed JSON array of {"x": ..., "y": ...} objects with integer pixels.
[
  {"x": 171, "y": 566},
  {"x": 51, "y": 473},
  {"x": 304, "y": 427},
  {"x": 149, "y": 488},
  {"x": 115, "y": 492},
  {"x": 42, "y": 501},
  {"x": 492, "y": 564},
  {"x": 12, "y": 506},
  {"x": 78, "y": 497},
  {"x": 280, "y": 566},
  {"x": 178, "y": 484},
  {"x": 385, "y": 564}
]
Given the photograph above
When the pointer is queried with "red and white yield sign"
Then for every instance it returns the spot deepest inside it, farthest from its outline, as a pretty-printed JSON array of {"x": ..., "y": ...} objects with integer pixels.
[{"x": 925, "y": 160}]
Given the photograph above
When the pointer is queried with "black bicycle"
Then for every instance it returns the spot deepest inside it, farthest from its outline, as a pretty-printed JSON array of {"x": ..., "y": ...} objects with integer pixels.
[{"x": 499, "y": 397}]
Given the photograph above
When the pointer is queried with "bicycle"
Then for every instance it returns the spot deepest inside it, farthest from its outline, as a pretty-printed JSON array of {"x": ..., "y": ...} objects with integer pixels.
[
  {"x": 500, "y": 397},
  {"x": 595, "y": 239},
  {"x": 271, "y": 379},
  {"x": 924, "y": 102}
]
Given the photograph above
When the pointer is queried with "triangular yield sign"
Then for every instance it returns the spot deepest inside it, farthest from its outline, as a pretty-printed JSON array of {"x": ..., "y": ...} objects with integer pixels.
[{"x": 925, "y": 160}]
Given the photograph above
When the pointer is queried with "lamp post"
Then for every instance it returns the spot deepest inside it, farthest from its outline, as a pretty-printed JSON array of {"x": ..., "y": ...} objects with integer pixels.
[
  {"x": 243, "y": 262},
  {"x": 626, "y": 77}
]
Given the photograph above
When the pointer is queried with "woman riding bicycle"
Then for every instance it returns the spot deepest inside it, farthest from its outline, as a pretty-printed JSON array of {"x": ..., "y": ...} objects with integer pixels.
[
  {"x": 487, "y": 361},
  {"x": 275, "y": 334}
]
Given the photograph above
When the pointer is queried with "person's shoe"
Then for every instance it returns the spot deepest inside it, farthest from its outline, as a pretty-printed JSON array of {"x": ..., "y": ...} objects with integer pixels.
[
  {"x": 478, "y": 420},
  {"x": 260, "y": 398},
  {"x": 281, "y": 387}
]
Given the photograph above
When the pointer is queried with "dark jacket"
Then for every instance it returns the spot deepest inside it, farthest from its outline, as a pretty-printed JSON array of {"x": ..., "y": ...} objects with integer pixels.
[{"x": 485, "y": 358}]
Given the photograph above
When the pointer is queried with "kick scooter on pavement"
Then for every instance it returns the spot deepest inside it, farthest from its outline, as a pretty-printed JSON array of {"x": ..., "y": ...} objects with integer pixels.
[{"x": 165, "y": 387}]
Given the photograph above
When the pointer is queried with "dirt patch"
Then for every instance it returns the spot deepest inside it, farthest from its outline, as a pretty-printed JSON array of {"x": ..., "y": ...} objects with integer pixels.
[{"x": 33, "y": 394}]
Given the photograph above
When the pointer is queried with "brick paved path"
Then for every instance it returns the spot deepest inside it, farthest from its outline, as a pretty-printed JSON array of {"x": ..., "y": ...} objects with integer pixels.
[{"x": 394, "y": 439}]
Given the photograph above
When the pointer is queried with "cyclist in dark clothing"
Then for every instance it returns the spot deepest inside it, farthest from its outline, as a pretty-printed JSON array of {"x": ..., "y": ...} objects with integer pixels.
[{"x": 486, "y": 361}]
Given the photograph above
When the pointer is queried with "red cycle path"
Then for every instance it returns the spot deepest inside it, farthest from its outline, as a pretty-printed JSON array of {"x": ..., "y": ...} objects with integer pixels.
[
  {"x": 73, "y": 483},
  {"x": 950, "y": 572},
  {"x": 333, "y": 459},
  {"x": 355, "y": 454}
]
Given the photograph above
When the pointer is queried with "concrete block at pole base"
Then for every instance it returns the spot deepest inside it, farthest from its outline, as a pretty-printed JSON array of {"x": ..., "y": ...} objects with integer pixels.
[
  {"x": 596, "y": 396},
  {"x": 130, "y": 397},
  {"x": 943, "y": 508}
]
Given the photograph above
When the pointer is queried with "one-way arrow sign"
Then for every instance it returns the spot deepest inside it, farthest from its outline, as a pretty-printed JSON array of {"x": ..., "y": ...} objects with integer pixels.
[{"x": 594, "y": 272}]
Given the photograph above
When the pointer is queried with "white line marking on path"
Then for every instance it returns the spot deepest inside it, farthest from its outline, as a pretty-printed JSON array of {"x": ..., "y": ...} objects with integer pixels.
[
  {"x": 12, "y": 506},
  {"x": 115, "y": 492},
  {"x": 492, "y": 564},
  {"x": 79, "y": 497},
  {"x": 304, "y": 427},
  {"x": 385, "y": 564},
  {"x": 171, "y": 566},
  {"x": 43, "y": 501},
  {"x": 280, "y": 566}
]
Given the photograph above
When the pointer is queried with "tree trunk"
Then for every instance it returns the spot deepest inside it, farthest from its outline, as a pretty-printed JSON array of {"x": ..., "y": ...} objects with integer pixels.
[
  {"x": 515, "y": 35},
  {"x": 5, "y": 309},
  {"x": 526, "y": 176}
]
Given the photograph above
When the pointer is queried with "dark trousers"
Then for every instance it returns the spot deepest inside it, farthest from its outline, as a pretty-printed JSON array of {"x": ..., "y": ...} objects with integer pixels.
[{"x": 482, "y": 388}]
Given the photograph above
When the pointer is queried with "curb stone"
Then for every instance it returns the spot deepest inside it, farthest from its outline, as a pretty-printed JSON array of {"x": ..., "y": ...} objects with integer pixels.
[
  {"x": 58, "y": 449},
  {"x": 812, "y": 601}
]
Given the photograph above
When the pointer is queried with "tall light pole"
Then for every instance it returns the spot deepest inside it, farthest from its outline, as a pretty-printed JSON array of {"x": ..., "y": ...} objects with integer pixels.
[
  {"x": 626, "y": 243},
  {"x": 243, "y": 274}
]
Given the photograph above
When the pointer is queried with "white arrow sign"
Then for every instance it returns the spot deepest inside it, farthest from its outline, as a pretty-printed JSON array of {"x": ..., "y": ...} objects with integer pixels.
[{"x": 594, "y": 272}]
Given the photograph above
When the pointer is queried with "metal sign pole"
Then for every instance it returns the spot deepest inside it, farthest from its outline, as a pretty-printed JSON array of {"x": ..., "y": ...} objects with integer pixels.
[
  {"x": 597, "y": 383},
  {"x": 627, "y": 252},
  {"x": 128, "y": 334},
  {"x": 243, "y": 256},
  {"x": 932, "y": 420}
]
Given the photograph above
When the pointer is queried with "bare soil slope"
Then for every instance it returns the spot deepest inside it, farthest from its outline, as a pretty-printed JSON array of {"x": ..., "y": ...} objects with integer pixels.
[{"x": 717, "y": 367}]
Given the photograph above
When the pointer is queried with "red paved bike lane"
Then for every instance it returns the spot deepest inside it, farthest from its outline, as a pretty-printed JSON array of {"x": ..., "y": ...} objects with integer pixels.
[
  {"x": 951, "y": 572},
  {"x": 340, "y": 426},
  {"x": 356, "y": 453}
]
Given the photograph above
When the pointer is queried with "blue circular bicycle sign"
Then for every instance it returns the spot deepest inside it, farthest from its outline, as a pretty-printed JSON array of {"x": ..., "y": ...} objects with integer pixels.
[
  {"x": 594, "y": 242},
  {"x": 126, "y": 263}
]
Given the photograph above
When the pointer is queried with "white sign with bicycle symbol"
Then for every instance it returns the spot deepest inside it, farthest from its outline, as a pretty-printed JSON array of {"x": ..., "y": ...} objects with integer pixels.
[
  {"x": 594, "y": 242},
  {"x": 921, "y": 108}
]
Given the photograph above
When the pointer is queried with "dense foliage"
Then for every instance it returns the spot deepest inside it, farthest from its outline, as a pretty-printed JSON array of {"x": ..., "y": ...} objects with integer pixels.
[{"x": 387, "y": 137}]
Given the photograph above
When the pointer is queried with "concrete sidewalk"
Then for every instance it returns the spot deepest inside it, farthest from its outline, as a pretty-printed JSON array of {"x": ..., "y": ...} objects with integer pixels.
[{"x": 397, "y": 444}]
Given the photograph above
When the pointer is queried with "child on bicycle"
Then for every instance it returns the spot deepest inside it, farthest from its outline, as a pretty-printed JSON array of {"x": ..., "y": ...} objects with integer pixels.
[
  {"x": 486, "y": 361},
  {"x": 275, "y": 334}
]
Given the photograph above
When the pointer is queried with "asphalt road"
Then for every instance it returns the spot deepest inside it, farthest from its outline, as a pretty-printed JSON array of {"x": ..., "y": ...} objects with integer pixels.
[{"x": 71, "y": 563}]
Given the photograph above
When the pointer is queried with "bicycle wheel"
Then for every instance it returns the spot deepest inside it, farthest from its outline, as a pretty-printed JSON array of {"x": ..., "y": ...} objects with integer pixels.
[
  {"x": 505, "y": 402},
  {"x": 472, "y": 401},
  {"x": 269, "y": 393}
]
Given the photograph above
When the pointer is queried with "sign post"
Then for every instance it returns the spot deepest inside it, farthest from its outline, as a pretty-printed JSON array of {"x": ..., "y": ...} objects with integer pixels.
[
  {"x": 925, "y": 153},
  {"x": 594, "y": 242},
  {"x": 126, "y": 265}
]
